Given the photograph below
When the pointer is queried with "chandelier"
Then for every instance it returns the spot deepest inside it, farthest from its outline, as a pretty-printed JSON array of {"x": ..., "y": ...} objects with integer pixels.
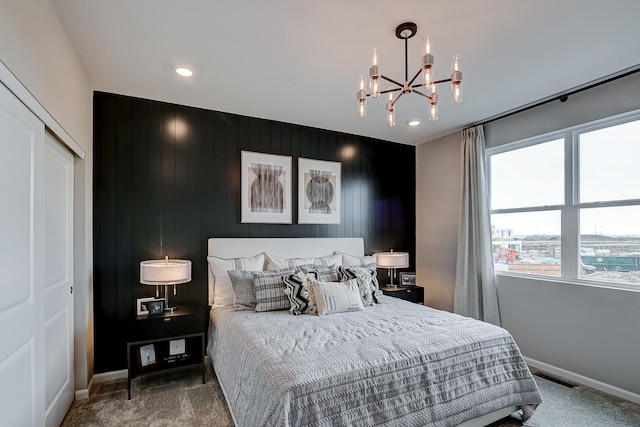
[{"x": 404, "y": 32}]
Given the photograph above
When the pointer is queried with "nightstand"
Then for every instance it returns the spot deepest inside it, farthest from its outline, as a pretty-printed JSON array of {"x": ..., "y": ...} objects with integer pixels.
[
  {"x": 166, "y": 341},
  {"x": 413, "y": 294}
]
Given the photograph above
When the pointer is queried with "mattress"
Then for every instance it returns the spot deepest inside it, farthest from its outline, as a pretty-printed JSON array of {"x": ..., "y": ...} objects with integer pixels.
[{"x": 393, "y": 364}]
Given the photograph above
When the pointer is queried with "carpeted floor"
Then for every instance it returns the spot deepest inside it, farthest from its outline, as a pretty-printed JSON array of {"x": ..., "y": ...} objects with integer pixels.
[{"x": 179, "y": 399}]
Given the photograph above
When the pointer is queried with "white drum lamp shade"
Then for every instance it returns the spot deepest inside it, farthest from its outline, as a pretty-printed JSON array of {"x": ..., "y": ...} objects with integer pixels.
[
  {"x": 391, "y": 261},
  {"x": 165, "y": 272}
]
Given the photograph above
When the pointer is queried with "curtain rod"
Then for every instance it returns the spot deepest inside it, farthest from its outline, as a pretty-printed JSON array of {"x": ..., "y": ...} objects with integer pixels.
[{"x": 562, "y": 96}]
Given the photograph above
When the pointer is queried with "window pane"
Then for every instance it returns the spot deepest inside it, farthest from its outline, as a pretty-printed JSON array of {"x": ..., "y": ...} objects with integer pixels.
[
  {"x": 609, "y": 160},
  {"x": 531, "y": 176},
  {"x": 610, "y": 244},
  {"x": 527, "y": 242}
]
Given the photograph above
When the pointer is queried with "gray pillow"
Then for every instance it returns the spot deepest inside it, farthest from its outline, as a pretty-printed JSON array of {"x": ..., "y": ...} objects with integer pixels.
[
  {"x": 324, "y": 274},
  {"x": 270, "y": 287},
  {"x": 243, "y": 289}
]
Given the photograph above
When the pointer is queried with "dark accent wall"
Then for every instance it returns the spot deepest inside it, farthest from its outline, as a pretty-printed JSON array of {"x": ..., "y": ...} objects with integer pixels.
[{"x": 167, "y": 177}]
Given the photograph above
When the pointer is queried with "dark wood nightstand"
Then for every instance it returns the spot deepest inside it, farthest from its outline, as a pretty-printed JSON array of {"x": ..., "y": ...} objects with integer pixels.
[
  {"x": 413, "y": 294},
  {"x": 166, "y": 341}
]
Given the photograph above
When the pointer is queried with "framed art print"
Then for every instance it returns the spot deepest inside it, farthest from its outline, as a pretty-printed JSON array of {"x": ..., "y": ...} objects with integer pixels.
[
  {"x": 265, "y": 188},
  {"x": 407, "y": 279},
  {"x": 155, "y": 307},
  {"x": 141, "y": 305},
  {"x": 318, "y": 192}
]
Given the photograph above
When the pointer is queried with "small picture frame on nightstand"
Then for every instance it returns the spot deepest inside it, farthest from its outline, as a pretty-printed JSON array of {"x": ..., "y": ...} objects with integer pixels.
[
  {"x": 155, "y": 307},
  {"x": 408, "y": 280},
  {"x": 141, "y": 305}
]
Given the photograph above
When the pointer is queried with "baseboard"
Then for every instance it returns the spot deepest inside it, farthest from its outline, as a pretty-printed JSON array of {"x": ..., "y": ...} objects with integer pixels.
[
  {"x": 110, "y": 376},
  {"x": 85, "y": 392},
  {"x": 581, "y": 379},
  {"x": 82, "y": 394}
]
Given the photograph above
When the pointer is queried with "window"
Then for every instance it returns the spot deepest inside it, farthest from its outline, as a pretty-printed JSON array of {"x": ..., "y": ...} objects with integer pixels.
[{"x": 568, "y": 204}]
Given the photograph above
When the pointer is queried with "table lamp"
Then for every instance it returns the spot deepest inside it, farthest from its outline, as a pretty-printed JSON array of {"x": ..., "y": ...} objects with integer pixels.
[
  {"x": 165, "y": 272},
  {"x": 391, "y": 261}
]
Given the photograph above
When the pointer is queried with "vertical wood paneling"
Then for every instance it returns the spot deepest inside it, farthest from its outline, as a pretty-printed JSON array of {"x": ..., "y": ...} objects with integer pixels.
[{"x": 160, "y": 192}]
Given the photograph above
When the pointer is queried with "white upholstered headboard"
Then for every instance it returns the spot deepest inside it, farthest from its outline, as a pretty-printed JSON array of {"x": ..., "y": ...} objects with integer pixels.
[{"x": 294, "y": 247}]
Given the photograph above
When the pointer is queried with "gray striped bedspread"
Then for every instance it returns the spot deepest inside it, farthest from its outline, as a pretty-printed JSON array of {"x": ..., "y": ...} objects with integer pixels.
[{"x": 393, "y": 364}]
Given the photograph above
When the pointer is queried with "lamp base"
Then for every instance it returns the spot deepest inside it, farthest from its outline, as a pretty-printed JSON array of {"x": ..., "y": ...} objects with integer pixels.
[{"x": 167, "y": 307}]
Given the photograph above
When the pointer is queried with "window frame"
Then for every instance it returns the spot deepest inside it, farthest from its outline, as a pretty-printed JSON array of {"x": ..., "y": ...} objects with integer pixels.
[{"x": 570, "y": 209}]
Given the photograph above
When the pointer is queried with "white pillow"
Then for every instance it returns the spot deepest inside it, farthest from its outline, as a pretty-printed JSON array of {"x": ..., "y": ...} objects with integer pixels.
[
  {"x": 356, "y": 261},
  {"x": 328, "y": 261},
  {"x": 221, "y": 290},
  {"x": 275, "y": 262},
  {"x": 336, "y": 297}
]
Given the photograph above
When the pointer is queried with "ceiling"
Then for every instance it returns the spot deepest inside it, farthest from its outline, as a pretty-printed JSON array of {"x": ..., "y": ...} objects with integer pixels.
[{"x": 298, "y": 61}]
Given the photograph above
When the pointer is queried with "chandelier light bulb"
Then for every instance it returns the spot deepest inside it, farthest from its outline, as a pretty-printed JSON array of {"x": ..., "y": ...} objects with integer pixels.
[
  {"x": 391, "y": 114},
  {"x": 374, "y": 75},
  {"x": 455, "y": 63},
  {"x": 362, "y": 98},
  {"x": 456, "y": 92},
  {"x": 433, "y": 103},
  {"x": 427, "y": 64},
  {"x": 456, "y": 79}
]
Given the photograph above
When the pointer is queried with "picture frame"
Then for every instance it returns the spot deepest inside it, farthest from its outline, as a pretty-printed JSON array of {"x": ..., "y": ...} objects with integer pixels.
[
  {"x": 141, "y": 305},
  {"x": 407, "y": 280},
  {"x": 155, "y": 307},
  {"x": 319, "y": 191},
  {"x": 265, "y": 187},
  {"x": 147, "y": 356}
]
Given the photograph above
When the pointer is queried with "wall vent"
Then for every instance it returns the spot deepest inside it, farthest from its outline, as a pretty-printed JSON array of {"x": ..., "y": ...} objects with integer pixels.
[{"x": 556, "y": 380}]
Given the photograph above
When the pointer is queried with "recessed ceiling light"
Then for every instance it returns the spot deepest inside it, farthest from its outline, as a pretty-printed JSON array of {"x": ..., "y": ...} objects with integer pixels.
[
  {"x": 413, "y": 122},
  {"x": 185, "y": 72}
]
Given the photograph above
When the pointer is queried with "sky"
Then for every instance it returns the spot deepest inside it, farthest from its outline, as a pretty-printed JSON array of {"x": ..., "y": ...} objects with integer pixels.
[{"x": 609, "y": 169}]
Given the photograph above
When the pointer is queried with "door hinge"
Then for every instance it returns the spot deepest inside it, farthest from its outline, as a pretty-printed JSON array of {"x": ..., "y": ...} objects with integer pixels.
[{"x": 71, "y": 290}]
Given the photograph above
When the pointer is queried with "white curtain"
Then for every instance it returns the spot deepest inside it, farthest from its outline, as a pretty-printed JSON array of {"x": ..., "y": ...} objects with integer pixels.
[{"x": 475, "y": 291}]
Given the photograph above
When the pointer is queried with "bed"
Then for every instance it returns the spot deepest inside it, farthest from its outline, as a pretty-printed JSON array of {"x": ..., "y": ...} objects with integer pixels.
[{"x": 395, "y": 363}]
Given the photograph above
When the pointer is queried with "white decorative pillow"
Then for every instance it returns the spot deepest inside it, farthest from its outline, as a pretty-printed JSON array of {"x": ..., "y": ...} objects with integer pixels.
[
  {"x": 275, "y": 262},
  {"x": 336, "y": 297},
  {"x": 221, "y": 293},
  {"x": 328, "y": 261},
  {"x": 356, "y": 261}
]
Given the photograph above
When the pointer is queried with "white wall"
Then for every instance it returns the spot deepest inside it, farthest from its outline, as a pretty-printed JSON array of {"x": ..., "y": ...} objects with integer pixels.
[
  {"x": 36, "y": 49},
  {"x": 438, "y": 196},
  {"x": 590, "y": 331}
]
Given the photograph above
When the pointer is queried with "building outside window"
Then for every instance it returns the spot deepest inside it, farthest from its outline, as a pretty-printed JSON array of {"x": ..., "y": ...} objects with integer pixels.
[{"x": 567, "y": 204}]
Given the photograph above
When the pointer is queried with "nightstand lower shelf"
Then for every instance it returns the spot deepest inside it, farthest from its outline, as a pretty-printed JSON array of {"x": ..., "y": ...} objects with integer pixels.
[{"x": 161, "y": 354}]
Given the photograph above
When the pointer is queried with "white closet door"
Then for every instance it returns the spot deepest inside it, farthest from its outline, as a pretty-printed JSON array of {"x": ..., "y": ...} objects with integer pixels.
[
  {"x": 21, "y": 260},
  {"x": 58, "y": 280},
  {"x": 36, "y": 317}
]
